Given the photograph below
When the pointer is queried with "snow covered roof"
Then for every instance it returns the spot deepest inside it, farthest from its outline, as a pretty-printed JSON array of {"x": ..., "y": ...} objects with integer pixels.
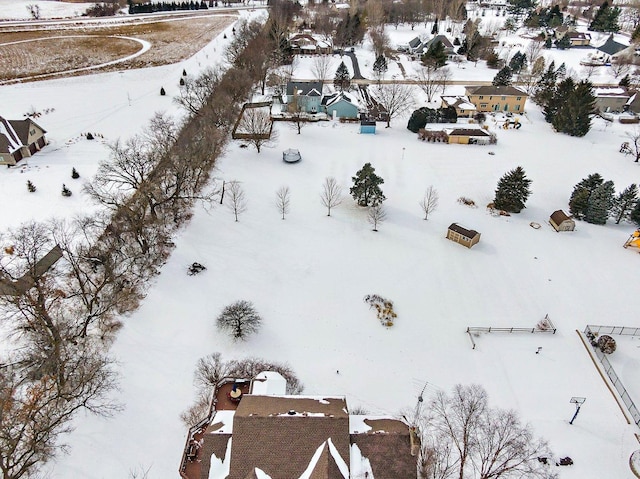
[
  {"x": 271, "y": 383},
  {"x": 460, "y": 102},
  {"x": 602, "y": 92},
  {"x": 311, "y": 88},
  {"x": 9, "y": 139},
  {"x": 222, "y": 422},
  {"x": 467, "y": 132},
  {"x": 341, "y": 96}
]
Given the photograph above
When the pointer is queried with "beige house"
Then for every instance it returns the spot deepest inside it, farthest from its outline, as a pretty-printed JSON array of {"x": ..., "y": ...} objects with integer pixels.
[
  {"x": 561, "y": 222},
  {"x": 462, "y": 235},
  {"x": 462, "y": 105},
  {"x": 19, "y": 139},
  {"x": 611, "y": 99},
  {"x": 497, "y": 98}
]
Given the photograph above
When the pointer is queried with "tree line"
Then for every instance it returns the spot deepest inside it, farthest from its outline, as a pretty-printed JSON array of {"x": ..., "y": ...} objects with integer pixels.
[{"x": 63, "y": 324}]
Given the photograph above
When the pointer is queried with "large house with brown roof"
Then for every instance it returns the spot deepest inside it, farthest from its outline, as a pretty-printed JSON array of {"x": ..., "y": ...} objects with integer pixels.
[
  {"x": 19, "y": 139},
  {"x": 488, "y": 98},
  {"x": 271, "y": 435}
]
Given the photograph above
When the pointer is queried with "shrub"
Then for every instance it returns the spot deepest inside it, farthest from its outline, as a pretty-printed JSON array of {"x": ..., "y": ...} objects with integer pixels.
[
  {"x": 66, "y": 191},
  {"x": 162, "y": 92},
  {"x": 181, "y": 81},
  {"x": 89, "y": 136},
  {"x": 606, "y": 344},
  {"x": 31, "y": 187},
  {"x": 74, "y": 174}
]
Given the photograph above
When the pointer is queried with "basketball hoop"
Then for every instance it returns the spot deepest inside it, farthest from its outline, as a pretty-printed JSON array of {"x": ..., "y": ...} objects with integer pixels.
[{"x": 578, "y": 401}]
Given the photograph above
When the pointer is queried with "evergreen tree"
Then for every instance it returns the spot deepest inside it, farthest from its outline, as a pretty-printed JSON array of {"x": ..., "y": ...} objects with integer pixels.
[
  {"x": 435, "y": 55},
  {"x": 571, "y": 107},
  {"x": 635, "y": 36},
  {"x": 342, "y": 80},
  {"x": 380, "y": 66},
  {"x": 434, "y": 30},
  {"x": 65, "y": 191},
  {"x": 503, "y": 77},
  {"x": 512, "y": 191},
  {"x": 545, "y": 89},
  {"x": 366, "y": 187},
  {"x": 493, "y": 60},
  {"x": 579, "y": 200},
  {"x": 634, "y": 216},
  {"x": 547, "y": 42},
  {"x": 31, "y": 187},
  {"x": 606, "y": 19},
  {"x": 624, "y": 203},
  {"x": 625, "y": 81},
  {"x": 599, "y": 204},
  {"x": 518, "y": 62},
  {"x": 74, "y": 174},
  {"x": 564, "y": 43}
]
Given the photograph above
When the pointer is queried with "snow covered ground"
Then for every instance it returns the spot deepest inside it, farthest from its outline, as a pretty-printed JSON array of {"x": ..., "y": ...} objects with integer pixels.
[
  {"x": 19, "y": 9},
  {"x": 307, "y": 275}
]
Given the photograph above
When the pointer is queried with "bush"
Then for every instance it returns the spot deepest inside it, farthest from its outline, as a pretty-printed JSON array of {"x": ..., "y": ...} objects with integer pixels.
[
  {"x": 606, "y": 344},
  {"x": 184, "y": 73},
  {"x": 66, "y": 191},
  {"x": 74, "y": 174},
  {"x": 31, "y": 187},
  {"x": 181, "y": 81},
  {"x": 162, "y": 92},
  {"x": 89, "y": 136}
]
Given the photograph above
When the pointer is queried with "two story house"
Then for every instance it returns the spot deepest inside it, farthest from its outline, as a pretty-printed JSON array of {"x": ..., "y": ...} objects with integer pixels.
[{"x": 487, "y": 98}]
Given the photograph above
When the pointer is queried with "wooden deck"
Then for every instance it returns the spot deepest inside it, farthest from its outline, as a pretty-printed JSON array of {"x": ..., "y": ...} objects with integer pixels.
[{"x": 193, "y": 457}]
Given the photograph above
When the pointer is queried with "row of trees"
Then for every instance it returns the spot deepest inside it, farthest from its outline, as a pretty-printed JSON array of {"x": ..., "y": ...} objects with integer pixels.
[
  {"x": 68, "y": 315},
  {"x": 594, "y": 200}
]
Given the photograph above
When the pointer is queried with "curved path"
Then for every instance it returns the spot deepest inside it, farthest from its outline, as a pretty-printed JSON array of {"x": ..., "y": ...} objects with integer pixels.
[{"x": 145, "y": 46}]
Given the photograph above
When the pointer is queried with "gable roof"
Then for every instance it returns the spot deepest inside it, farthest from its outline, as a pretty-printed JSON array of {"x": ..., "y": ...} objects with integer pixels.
[
  {"x": 460, "y": 102},
  {"x": 415, "y": 43},
  {"x": 467, "y": 132},
  {"x": 439, "y": 38},
  {"x": 463, "y": 231},
  {"x": 9, "y": 139},
  {"x": 611, "y": 92},
  {"x": 280, "y": 434},
  {"x": 495, "y": 90},
  {"x": 310, "y": 88},
  {"x": 611, "y": 47},
  {"x": 338, "y": 97},
  {"x": 559, "y": 216}
]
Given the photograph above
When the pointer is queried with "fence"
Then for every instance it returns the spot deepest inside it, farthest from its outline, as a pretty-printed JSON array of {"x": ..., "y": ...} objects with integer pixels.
[{"x": 590, "y": 332}]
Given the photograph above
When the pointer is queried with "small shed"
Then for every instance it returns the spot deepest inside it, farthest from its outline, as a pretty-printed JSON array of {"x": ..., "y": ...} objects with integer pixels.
[
  {"x": 561, "y": 222},
  {"x": 291, "y": 156},
  {"x": 368, "y": 127},
  {"x": 469, "y": 136},
  {"x": 462, "y": 235}
]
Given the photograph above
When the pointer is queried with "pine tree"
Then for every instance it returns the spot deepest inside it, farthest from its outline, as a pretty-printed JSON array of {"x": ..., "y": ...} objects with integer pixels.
[
  {"x": 434, "y": 29},
  {"x": 503, "y": 77},
  {"x": 579, "y": 201},
  {"x": 634, "y": 216},
  {"x": 380, "y": 66},
  {"x": 366, "y": 187},
  {"x": 31, "y": 187},
  {"x": 572, "y": 107},
  {"x": 625, "y": 81},
  {"x": 162, "y": 92},
  {"x": 564, "y": 43},
  {"x": 342, "y": 79},
  {"x": 547, "y": 42},
  {"x": 518, "y": 62},
  {"x": 512, "y": 191},
  {"x": 600, "y": 203},
  {"x": 435, "y": 55},
  {"x": 624, "y": 203},
  {"x": 74, "y": 174},
  {"x": 606, "y": 19},
  {"x": 65, "y": 191},
  {"x": 493, "y": 60}
]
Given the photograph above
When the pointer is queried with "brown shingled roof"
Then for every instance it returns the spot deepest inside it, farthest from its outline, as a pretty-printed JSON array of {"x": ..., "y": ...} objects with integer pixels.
[
  {"x": 495, "y": 90},
  {"x": 389, "y": 453},
  {"x": 463, "y": 231},
  {"x": 559, "y": 216}
]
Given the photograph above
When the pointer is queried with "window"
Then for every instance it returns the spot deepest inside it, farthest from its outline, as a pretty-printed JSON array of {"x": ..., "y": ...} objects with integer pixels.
[
  {"x": 496, "y": 107},
  {"x": 503, "y": 98},
  {"x": 506, "y": 107},
  {"x": 517, "y": 107},
  {"x": 483, "y": 105},
  {"x": 519, "y": 98},
  {"x": 481, "y": 97}
]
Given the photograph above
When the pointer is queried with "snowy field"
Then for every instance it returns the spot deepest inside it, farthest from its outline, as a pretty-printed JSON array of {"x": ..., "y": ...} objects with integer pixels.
[
  {"x": 307, "y": 275},
  {"x": 19, "y": 9}
]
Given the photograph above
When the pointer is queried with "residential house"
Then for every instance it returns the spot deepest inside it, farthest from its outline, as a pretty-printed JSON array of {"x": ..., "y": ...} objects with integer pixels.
[
  {"x": 561, "y": 222},
  {"x": 271, "y": 434},
  {"x": 578, "y": 39},
  {"x": 307, "y": 44},
  {"x": 611, "y": 99},
  {"x": 611, "y": 48},
  {"x": 462, "y": 105},
  {"x": 449, "y": 49},
  {"x": 19, "y": 139},
  {"x": 497, "y": 98},
  {"x": 304, "y": 96},
  {"x": 341, "y": 105},
  {"x": 469, "y": 136},
  {"x": 415, "y": 45},
  {"x": 462, "y": 235}
]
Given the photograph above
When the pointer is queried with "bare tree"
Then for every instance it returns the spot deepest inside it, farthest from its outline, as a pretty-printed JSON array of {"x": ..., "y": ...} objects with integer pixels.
[
  {"x": 380, "y": 41},
  {"x": 196, "y": 92},
  {"x": 239, "y": 319},
  {"x": 297, "y": 114},
  {"x": 331, "y": 195},
  {"x": 376, "y": 215},
  {"x": 464, "y": 437},
  {"x": 321, "y": 67},
  {"x": 237, "y": 202},
  {"x": 534, "y": 51},
  {"x": 429, "y": 201},
  {"x": 395, "y": 98},
  {"x": 634, "y": 136},
  {"x": 283, "y": 200},
  {"x": 433, "y": 80},
  {"x": 621, "y": 65},
  {"x": 257, "y": 124}
]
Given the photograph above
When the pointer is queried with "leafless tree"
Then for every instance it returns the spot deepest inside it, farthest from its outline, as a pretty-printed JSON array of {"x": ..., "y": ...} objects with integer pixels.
[
  {"x": 297, "y": 115},
  {"x": 429, "y": 201},
  {"x": 634, "y": 142},
  {"x": 257, "y": 123},
  {"x": 196, "y": 92},
  {"x": 239, "y": 319},
  {"x": 380, "y": 41},
  {"x": 589, "y": 70},
  {"x": 432, "y": 80},
  {"x": 331, "y": 195},
  {"x": 321, "y": 67},
  {"x": 283, "y": 200},
  {"x": 464, "y": 437},
  {"x": 621, "y": 65},
  {"x": 534, "y": 51},
  {"x": 395, "y": 98},
  {"x": 375, "y": 215},
  {"x": 237, "y": 202},
  {"x": 34, "y": 11}
]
